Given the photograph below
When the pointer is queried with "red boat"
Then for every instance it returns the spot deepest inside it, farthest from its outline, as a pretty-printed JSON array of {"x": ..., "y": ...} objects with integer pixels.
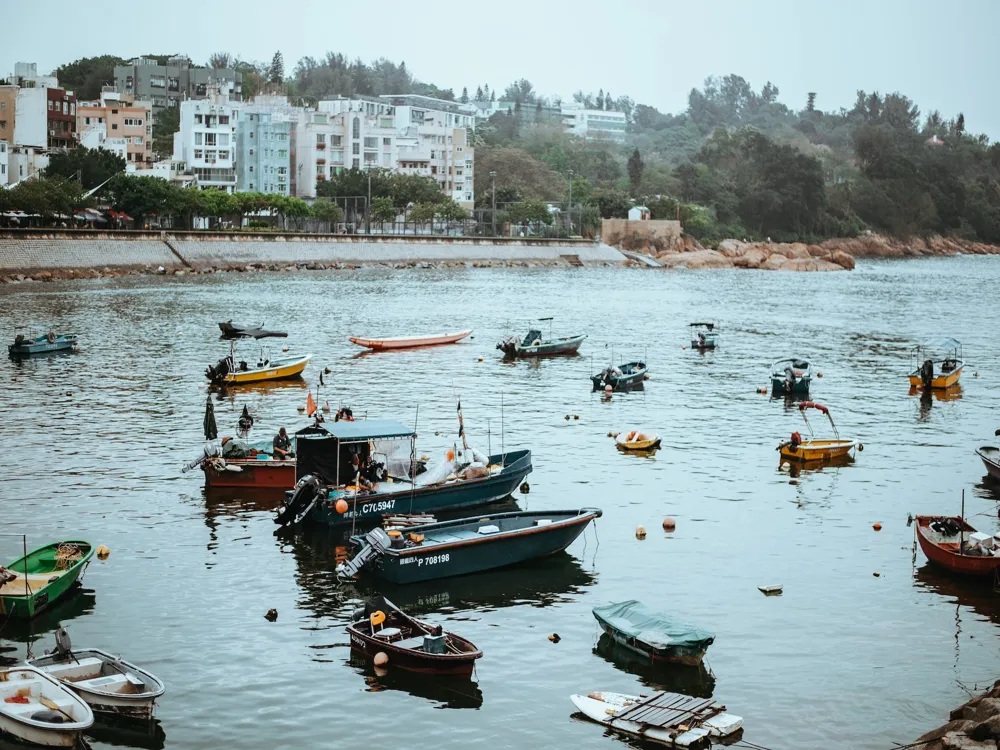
[
  {"x": 947, "y": 541},
  {"x": 250, "y": 472}
]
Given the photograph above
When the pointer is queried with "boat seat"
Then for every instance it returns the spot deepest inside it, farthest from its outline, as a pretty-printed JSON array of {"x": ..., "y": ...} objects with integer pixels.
[
  {"x": 388, "y": 633},
  {"x": 84, "y": 669}
]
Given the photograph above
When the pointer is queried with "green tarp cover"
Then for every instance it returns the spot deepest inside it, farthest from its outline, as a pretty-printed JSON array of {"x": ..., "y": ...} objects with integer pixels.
[{"x": 652, "y": 628}]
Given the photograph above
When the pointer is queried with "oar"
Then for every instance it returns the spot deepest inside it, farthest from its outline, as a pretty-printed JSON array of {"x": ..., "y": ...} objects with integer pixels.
[{"x": 51, "y": 704}]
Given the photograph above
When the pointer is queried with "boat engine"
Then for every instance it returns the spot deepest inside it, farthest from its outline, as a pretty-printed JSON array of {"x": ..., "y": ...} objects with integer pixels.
[
  {"x": 222, "y": 368},
  {"x": 307, "y": 491},
  {"x": 927, "y": 373}
]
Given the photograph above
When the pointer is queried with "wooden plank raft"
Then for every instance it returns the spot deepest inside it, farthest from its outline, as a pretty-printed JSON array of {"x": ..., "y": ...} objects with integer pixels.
[{"x": 671, "y": 711}]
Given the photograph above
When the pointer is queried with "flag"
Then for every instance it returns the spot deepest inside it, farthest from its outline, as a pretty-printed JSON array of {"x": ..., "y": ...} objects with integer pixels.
[{"x": 310, "y": 405}]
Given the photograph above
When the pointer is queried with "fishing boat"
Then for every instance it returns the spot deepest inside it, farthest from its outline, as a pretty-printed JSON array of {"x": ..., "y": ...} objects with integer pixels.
[
  {"x": 229, "y": 372},
  {"x": 409, "y": 644},
  {"x": 329, "y": 491},
  {"x": 990, "y": 455},
  {"x": 107, "y": 683},
  {"x": 671, "y": 719},
  {"x": 937, "y": 364},
  {"x": 637, "y": 440},
  {"x": 790, "y": 376},
  {"x": 410, "y": 342},
  {"x": 658, "y": 637},
  {"x": 465, "y": 545},
  {"x": 620, "y": 377},
  {"x": 533, "y": 345},
  {"x": 950, "y": 542},
  {"x": 232, "y": 330},
  {"x": 811, "y": 449},
  {"x": 37, "y": 709},
  {"x": 32, "y": 583},
  {"x": 25, "y": 346},
  {"x": 703, "y": 336}
]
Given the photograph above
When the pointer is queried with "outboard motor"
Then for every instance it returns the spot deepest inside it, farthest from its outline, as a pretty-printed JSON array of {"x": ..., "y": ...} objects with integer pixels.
[
  {"x": 308, "y": 490},
  {"x": 927, "y": 373}
]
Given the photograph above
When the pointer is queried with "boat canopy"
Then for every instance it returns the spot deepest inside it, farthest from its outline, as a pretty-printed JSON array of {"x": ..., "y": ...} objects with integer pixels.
[{"x": 634, "y": 619}]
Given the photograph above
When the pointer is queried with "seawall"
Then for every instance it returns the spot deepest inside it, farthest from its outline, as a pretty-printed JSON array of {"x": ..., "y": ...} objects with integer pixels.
[{"x": 27, "y": 251}]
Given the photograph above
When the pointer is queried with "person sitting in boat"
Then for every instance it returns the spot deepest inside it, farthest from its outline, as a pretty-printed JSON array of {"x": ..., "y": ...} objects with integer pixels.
[{"x": 282, "y": 445}]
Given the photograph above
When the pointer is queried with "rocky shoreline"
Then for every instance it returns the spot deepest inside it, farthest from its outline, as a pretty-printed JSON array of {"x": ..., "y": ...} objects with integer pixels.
[{"x": 972, "y": 726}]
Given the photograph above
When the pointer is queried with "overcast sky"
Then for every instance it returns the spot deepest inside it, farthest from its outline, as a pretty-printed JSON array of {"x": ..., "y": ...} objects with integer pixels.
[{"x": 943, "y": 55}]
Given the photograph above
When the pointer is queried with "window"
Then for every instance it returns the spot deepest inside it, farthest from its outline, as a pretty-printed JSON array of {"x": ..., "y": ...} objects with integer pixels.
[
  {"x": 356, "y": 128},
  {"x": 371, "y": 142},
  {"x": 199, "y": 139},
  {"x": 355, "y": 149}
]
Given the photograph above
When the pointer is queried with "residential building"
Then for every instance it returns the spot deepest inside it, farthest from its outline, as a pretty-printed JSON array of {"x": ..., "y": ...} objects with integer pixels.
[
  {"x": 263, "y": 145},
  {"x": 44, "y": 117},
  {"x": 207, "y": 140},
  {"x": 120, "y": 118},
  {"x": 168, "y": 85},
  {"x": 594, "y": 124}
]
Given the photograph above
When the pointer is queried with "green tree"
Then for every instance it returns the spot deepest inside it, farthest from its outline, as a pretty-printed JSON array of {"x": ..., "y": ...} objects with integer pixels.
[
  {"x": 635, "y": 167},
  {"x": 91, "y": 166}
]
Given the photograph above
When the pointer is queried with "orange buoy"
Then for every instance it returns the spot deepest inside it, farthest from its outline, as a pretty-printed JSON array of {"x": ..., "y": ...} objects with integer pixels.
[
  {"x": 341, "y": 506},
  {"x": 877, "y": 526},
  {"x": 381, "y": 659},
  {"x": 669, "y": 524}
]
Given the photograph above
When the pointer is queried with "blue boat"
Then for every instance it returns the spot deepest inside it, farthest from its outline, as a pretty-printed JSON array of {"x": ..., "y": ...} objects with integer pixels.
[
  {"x": 25, "y": 346},
  {"x": 388, "y": 479}
]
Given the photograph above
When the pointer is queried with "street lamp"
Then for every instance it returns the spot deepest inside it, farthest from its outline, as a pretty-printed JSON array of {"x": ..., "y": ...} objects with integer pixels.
[
  {"x": 494, "y": 213},
  {"x": 569, "y": 211}
]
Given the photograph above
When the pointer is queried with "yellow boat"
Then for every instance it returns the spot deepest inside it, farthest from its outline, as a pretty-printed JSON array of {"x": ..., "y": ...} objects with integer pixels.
[
  {"x": 283, "y": 368},
  {"x": 812, "y": 450},
  {"x": 937, "y": 373},
  {"x": 637, "y": 441}
]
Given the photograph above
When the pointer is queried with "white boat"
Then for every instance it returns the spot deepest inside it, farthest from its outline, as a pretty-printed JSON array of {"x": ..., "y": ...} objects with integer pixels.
[
  {"x": 108, "y": 683},
  {"x": 35, "y": 708},
  {"x": 669, "y": 718}
]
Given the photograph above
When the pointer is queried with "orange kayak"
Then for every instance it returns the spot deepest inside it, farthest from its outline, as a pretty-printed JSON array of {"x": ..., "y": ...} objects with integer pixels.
[{"x": 408, "y": 342}]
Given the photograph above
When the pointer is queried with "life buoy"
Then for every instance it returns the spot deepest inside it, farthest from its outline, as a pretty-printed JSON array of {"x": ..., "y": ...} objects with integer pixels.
[{"x": 51, "y": 337}]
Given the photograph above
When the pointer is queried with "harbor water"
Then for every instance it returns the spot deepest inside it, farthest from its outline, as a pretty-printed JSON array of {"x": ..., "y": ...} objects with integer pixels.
[{"x": 867, "y": 645}]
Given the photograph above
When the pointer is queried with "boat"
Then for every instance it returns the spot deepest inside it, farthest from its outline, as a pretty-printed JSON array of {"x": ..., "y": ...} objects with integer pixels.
[
  {"x": 703, "y": 336},
  {"x": 107, "y": 683},
  {"x": 658, "y": 637},
  {"x": 937, "y": 364},
  {"x": 228, "y": 372},
  {"x": 35, "y": 708},
  {"x": 31, "y": 584},
  {"x": 533, "y": 345},
  {"x": 950, "y": 542},
  {"x": 410, "y": 644},
  {"x": 25, "y": 346},
  {"x": 636, "y": 440},
  {"x": 990, "y": 455},
  {"x": 410, "y": 342},
  {"x": 668, "y": 718},
  {"x": 619, "y": 377},
  {"x": 232, "y": 330},
  {"x": 328, "y": 490},
  {"x": 790, "y": 376},
  {"x": 811, "y": 449},
  {"x": 466, "y": 545}
]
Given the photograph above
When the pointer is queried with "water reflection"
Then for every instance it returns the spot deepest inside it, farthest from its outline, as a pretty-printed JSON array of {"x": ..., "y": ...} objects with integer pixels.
[
  {"x": 697, "y": 681},
  {"x": 447, "y": 692}
]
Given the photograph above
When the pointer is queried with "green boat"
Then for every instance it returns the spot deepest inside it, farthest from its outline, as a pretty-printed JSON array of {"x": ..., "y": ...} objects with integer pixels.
[{"x": 32, "y": 584}]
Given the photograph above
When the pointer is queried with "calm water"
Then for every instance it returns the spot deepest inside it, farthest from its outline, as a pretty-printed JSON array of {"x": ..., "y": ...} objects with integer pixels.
[{"x": 94, "y": 442}]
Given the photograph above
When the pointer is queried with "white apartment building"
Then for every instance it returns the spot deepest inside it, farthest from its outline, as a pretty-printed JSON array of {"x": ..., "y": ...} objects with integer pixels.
[
  {"x": 206, "y": 140},
  {"x": 594, "y": 124}
]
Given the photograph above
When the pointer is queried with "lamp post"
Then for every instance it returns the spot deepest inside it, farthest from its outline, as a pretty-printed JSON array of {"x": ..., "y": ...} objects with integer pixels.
[
  {"x": 569, "y": 208},
  {"x": 493, "y": 175}
]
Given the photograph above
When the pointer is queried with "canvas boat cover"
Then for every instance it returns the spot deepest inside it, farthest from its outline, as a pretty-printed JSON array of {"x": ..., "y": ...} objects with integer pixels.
[{"x": 652, "y": 628}]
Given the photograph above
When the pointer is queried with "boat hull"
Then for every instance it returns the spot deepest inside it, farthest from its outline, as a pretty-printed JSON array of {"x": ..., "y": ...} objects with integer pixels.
[
  {"x": 262, "y": 474},
  {"x": 458, "y": 558},
  {"x": 410, "y": 342},
  {"x": 952, "y": 561},
  {"x": 991, "y": 460},
  {"x": 369, "y": 508},
  {"x": 282, "y": 372},
  {"x": 938, "y": 382},
  {"x": 810, "y": 451},
  {"x": 40, "y": 594}
]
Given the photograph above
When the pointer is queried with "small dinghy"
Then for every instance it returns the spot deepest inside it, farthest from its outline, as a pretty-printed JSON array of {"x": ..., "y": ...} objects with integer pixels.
[
  {"x": 655, "y": 636},
  {"x": 621, "y": 376},
  {"x": 35, "y": 708},
  {"x": 382, "y": 628},
  {"x": 671, "y": 719},
  {"x": 636, "y": 440},
  {"x": 410, "y": 342},
  {"x": 108, "y": 683}
]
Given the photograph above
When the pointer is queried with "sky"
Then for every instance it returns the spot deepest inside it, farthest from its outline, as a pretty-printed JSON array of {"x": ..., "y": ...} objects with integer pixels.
[{"x": 943, "y": 55}]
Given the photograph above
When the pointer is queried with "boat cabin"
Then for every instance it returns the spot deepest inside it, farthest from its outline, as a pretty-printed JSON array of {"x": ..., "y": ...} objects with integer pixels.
[{"x": 384, "y": 447}]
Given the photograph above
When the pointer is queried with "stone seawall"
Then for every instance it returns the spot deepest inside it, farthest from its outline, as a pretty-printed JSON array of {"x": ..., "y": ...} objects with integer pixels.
[{"x": 32, "y": 251}]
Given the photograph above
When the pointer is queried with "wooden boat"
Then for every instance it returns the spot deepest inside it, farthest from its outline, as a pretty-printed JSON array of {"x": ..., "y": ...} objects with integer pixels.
[
  {"x": 409, "y": 342},
  {"x": 107, "y": 683},
  {"x": 671, "y": 719},
  {"x": 937, "y": 365},
  {"x": 33, "y": 583},
  {"x": 465, "y": 545},
  {"x": 621, "y": 376},
  {"x": 410, "y": 644},
  {"x": 952, "y": 543},
  {"x": 657, "y": 637},
  {"x": 991, "y": 459},
  {"x": 703, "y": 336},
  {"x": 385, "y": 446},
  {"x": 25, "y": 346},
  {"x": 228, "y": 372},
  {"x": 790, "y": 376},
  {"x": 35, "y": 708},
  {"x": 813, "y": 450},
  {"x": 533, "y": 345},
  {"x": 635, "y": 440}
]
